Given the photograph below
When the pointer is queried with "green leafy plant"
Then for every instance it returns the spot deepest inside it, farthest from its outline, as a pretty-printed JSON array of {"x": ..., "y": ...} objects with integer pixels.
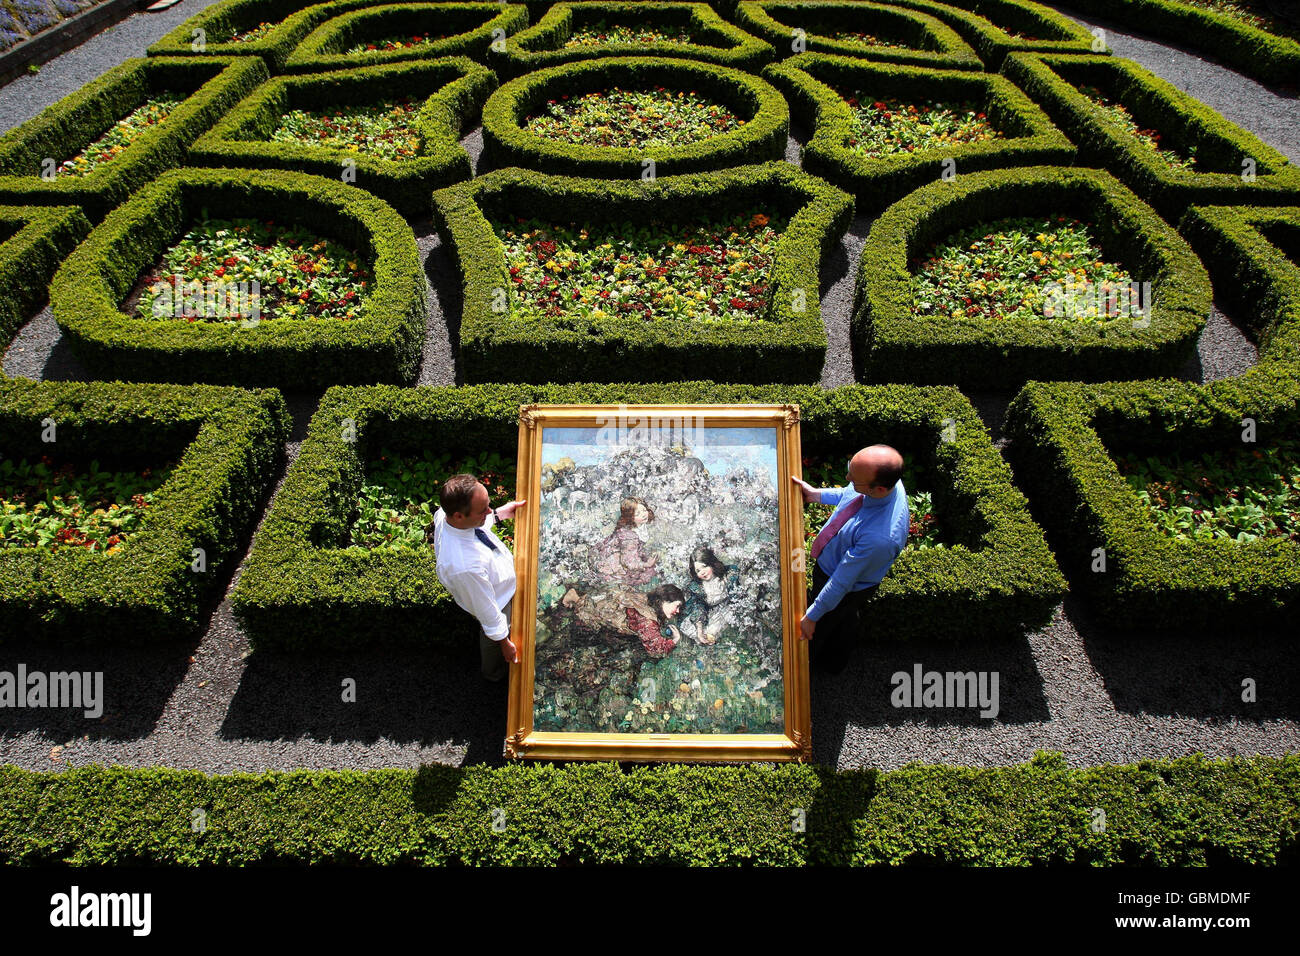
[
  {"x": 633, "y": 118},
  {"x": 883, "y": 127},
  {"x": 599, "y": 34},
  {"x": 384, "y": 130},
  {"x": 1119, "y": 114}
]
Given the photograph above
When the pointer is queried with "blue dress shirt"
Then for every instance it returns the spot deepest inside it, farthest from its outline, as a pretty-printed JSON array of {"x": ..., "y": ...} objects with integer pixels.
[{"x": 864, "y": 549}]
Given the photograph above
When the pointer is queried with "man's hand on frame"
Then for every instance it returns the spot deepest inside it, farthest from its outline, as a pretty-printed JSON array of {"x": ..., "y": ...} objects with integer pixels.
[
  {"x": 509, "y": 651},
  {"x": 507, "y": 510},
  {"x": 806, "y": 627},
  {"x": 810, "y": 494}
]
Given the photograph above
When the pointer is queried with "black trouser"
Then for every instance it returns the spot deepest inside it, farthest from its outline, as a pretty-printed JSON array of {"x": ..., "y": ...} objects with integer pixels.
[{"x": 837, "y": 631}]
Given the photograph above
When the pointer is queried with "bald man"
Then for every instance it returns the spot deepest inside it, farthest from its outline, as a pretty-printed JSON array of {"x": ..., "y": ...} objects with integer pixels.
[{"x": 854, "y": 550}]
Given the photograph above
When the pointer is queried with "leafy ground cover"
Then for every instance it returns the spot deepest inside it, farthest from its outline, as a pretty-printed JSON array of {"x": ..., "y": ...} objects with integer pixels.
[
  {"x": 389, "y": 44},
  {"x": 824, "y": 472},
  {"x": 891, "y": 125},
  {"x": 1253, "y": 493},
  {"x": 121, "y": 135},
  {"x": 868, "y": 39},
  {"x": 1150, "y": 138},
  {"x": 49, "y": 505},
  {"x": 633, "y": 118},
  {"x": 299, "y": 275},
  {"x": 383, "y": 130},
  {"x": 704, "y": 269},
  {"x": 400, "y": 494},
  {"x": 1251, "y": 14},
  {"x": 253, "y": 33},
  {"x": 1008, "y": 268},
  {"x": 600, "y": 34}
]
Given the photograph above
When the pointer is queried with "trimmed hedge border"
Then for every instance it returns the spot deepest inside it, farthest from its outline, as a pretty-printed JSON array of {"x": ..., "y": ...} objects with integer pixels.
[
  {"x": 760, "y": 105},
  {"x": 1189, "y": 811},
  {"x": 948, "y": 50},
  {"x": 231, "y": 441},
  {"x": 542, "y": 44},
  {"x": 1063, "y": 435},
  {"x": 456, "y": 89},
  {"x": 1183, "y": 121},
  {"x": 295, "y": 19},
  {"x": 382, "y": 345},
  {"x": 1268, "y": 58},
  {"x": 323, "y": 49},
  {"x": 33, "y": 241},
  {"x": 893, "y": 345},
  {"x": 986, "y": 25},
  {"x": 788, "y": 345},
  {"x": 809, "y": 82},
  {"x": 300, "y": 591},
  {"x": 68, "y": 126}
]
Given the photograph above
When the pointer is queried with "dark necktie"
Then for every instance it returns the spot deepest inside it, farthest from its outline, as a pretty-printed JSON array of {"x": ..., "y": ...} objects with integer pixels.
[{"x": 482, "y": 536}]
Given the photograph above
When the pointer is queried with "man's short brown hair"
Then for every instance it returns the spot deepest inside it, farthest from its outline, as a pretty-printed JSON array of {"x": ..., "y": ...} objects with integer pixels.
[{"x": 458, "y": 494}]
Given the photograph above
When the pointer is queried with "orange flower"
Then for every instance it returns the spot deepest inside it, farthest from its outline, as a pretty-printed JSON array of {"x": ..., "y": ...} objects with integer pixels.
[{"x": 758, "y": 221}]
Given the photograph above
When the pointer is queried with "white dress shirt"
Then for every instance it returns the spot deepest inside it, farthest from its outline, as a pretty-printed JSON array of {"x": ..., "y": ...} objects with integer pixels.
[{"x": 481, "y": 580}]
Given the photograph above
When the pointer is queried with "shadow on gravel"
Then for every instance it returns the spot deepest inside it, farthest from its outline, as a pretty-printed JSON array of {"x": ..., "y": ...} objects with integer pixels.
[{"x": 444, "y": 277}]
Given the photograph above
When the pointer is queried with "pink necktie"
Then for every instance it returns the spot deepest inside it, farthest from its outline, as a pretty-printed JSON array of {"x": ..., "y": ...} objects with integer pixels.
[{"x": 824, "y": 536}]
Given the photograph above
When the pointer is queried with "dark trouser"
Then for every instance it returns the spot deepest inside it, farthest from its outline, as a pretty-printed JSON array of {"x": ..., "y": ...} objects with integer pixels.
[
  {"x": 493, "y": 663},
  {"x": 838, "y": 629}
]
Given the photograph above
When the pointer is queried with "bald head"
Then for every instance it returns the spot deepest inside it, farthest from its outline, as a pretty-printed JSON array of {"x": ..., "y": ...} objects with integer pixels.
[{"x": 875, "y": 470}]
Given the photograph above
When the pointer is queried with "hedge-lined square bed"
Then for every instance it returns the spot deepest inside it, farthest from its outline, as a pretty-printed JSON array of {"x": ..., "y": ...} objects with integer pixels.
[
  {"x": 1066, "y": 441},
  {"x": 354, "y": 319},
  {"x": 870, "y": 31},
  {"x": 998, "y": 27},
  {"x": 302, "y": 589},
  {"x": 1168, "y": 147},
  {"x": 399, "y": 126},
  {"x": 611, "y": 117},
  {"x": 588, "y": 30},
  {"x": 96, "y": 146},
  {"x": 515, "y": 331},
  {"x": 226, "y": 447},
  {"x": 842, "y": 99},
  {"x": 391, "y": 33},
  {"x": 33, "y": 241},
  {"x": 899, "y": 336}
]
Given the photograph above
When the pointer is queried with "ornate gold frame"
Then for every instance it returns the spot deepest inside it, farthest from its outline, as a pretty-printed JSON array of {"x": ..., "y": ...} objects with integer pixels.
[{"x": 795, "y": 744}]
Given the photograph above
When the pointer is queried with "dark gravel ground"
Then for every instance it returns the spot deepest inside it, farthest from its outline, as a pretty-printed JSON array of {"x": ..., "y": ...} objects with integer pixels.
[{"x": 1096, "y": 696}]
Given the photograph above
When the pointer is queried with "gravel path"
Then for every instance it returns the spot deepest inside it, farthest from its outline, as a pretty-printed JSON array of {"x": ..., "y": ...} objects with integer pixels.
[{"x": 1072, "y": 686}]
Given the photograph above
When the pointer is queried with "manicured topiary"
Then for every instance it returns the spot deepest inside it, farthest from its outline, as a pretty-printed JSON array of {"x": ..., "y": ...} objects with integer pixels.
[
  {"x": 500, "y": 342},
  {"x": 452, "y": 91},
  {"x": 33, "y": 241},
  {"x": 506, "y": 141},
  {"x": 383, "y": 344},
  {"x": 998, "y": 27},
  {"x": 151, "y": 589},
  {"x": 894, "y": 344},
  {"x": 816, "y": 85},
  {"x": 359, "y": 37},
  {"x": 1229, "y": 165},
  {"x": 904, "y": 35},
  {"x": 31, "y": 155},
  {"x": 301, "y": 589},
  {"x": 709, "y": 37}
]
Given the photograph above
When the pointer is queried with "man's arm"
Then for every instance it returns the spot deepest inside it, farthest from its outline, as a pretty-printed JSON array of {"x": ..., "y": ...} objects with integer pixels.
[
  {"x": 811, "y": 495},
  {"x": 868, "y": 557},
  {"x": 475, "y": 590}
]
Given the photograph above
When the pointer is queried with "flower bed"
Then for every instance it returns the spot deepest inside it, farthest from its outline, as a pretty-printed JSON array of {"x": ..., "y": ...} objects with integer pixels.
[
  {"x": 1149, "y": 138},
  {"x": 150, "y": 585},
  {"x": 895, "y": 341},
  {"x": 391, "y": 33},
  {"x": 445, "y": 99},
  {"x": 832, "y": 95},
  {"x": 633, "y": 119},
  {"x": 762, "y": 118},
  {"x": 1232, "y": 166},
  {"x": 784, "y": 340},
  {"x": 33, "y": 241},
  {"x": 585, "y": 30},
  {"x": 905, "y": 36},
  {"x": 301, "y": 590},
  {"x": 382, "y": 344},
  {"x": 998, "y": 27},
  {"x": 78, "y": 152}
]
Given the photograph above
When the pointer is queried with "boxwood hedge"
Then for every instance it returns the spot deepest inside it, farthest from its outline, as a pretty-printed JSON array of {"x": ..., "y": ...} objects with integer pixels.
[
  {"x": 507, "y": 143},
  {"x": 1238, "y": 167},
  {"x": 30, "y": 152},
  {"x": 712, "y": 39},
  {"x": 788, "y": 344},
  {"x": 998, "y": 27},
  {"x": 33, "y": 241},
  {"x": 1267, "y": 57},
  {"x": 301, "y": 589},
  {"x": 816, "y": 85},
  {"x": 383, "y": 344},
  {"x": 892, "y": 344},
  {"x": 471, "y": 29},
  {"x": 1064, "y": 435},
  {"x": 229, "y": 443},
  {"x": 1189, "y": 811},
  {"x": 456, "y": 89},
  {"x": 925, "y": 40}
]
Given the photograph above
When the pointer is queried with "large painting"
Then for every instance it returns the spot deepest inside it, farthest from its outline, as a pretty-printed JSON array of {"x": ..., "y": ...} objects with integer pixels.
[{"x": 660, "y": 584}]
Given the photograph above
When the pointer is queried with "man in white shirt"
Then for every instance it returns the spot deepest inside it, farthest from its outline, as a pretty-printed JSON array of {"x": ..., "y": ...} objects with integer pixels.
[{"x": 475, "y": 567}]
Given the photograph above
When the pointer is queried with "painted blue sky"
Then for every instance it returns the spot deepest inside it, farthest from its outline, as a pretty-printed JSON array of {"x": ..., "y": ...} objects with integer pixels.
[{"x": 726, "y": 448}]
